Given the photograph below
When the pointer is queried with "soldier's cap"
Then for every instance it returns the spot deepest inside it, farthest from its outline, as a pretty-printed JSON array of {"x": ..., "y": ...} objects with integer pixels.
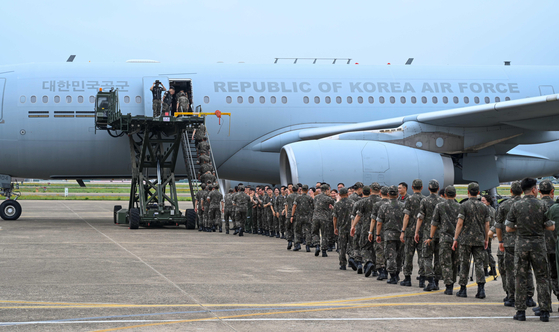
[
  {"x": 473, "y": 186},
  {"x": 216, "y": 186},
  {"x": 375, "y": 186},
  {"x": 546, "y": 185},
  {"x": 358, "y": 185},
  {"x": 417, "y": 183},
  {"x": 366, "y": 190},
  {"x": 343, "y": 191},
  {"x": 450, "y": 191},
  {"x": 210, "y": 187},
  {"x": 231, "y": 190},
  {"x": 384, "y": 190},
  {"x": 433, "y": 184},
  {"x": 392, "y": 190},
  {"x": 324, "y": 187},
  {"x": 516, "y": 187},
  {"x": 305, "y": 187},
  {"x": 241, "y": 187}
]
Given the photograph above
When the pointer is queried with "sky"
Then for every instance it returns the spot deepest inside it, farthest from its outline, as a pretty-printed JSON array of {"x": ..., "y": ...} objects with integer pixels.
[{"x": 369, "y": 32}]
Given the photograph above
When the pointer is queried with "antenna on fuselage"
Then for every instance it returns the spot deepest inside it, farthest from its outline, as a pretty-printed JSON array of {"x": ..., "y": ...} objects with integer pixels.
[
  {"x": 71, "y": 58},
  {"x": 410, "y": 60}
]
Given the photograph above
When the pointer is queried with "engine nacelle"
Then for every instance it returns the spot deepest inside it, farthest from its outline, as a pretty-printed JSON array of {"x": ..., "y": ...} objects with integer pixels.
[{"x": 335, "y": 161}]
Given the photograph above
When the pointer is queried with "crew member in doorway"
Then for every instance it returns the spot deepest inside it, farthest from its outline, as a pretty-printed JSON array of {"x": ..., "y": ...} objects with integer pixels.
[
  {"x": 182, "y": 102},
  {"x": 168, "y": 99},
  {"x": 156, "y": 89}
]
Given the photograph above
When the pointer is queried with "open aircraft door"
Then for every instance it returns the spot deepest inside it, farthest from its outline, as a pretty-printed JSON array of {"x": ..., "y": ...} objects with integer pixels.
[
  {"x": 2, "y": 86},
  {"x": 148, "y": 96}
]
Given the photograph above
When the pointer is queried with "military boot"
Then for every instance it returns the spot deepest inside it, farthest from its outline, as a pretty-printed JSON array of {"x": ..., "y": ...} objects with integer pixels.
[
  {"x": 436, "y": 284},
  {"x": 351, "y": 263},
  {"x": 289, "y": 245},
  {"x": 331, "y": 247},
  {"x": 324, "y": 254},
  {"x": 359, "y": 268},
  {"x": 544, "y": 317},
  {"x": 220, "y": 230},
  {"x": 448, "y": 290},
  {"x": 384, "y": 274},
  {"x": 283, "y": 236},
  {"x": 278, "y": 235},
  {"x": 241, "y": 231},
  {"x": 297, "y": 247},
  {"x": 520, "y": 315},
  {"x": 509, "y": 302},
  {"x": 431, "y": 285},
  {"x": 530, "y": 302},
  {"x": 392, "y": 279},
  {"x": 308, "y": 248},
  {"x": 480, "y": 291},
  {"x": 254, "y": 231},
  {"x": 406, "y": 282},
  {"x": 259, "y": 231},
  {"x": 462, "y": 292},
  {"x": 486, "y": 272},
  {"x": 226, "y": 231},
  {"x": 375, "y": 272},
  {"x": 368, "y": 269},
  {"x": 379, "y": 274},
  {"x": 200, "y": 229},
  {"x": 421, "y": 281},
  {"x": 342, "y": 267},
  {"x": 317, "y": 250}
]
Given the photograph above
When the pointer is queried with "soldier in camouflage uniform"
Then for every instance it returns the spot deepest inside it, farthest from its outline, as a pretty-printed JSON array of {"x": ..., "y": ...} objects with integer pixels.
[
  {"x": 215, "y": 200},
  {"x": 259, "y": 210},
  {"x": 379, "y": 246},
  {"x": 249, "y": 225},
  {"x": 430, "y": 251},
  {"x": 207, "y": 177},
  {"x": 198, "y": 135},
  {"x": 507, "y": 242},
  {"x": 403, "y": 192},
  {"x": 489, "y": 260},
  {"x": 301, "y": 213},
  {"x": 368, "y": 247},
  {"x": 411, "y": 211},
  {"x": 198, "y": 206},
  {"x": 241, "y": 202},
  {"x": 553, "y": 214},
  {"x": 206, "y": 207},
  {"x": 527, "y": 218},
  {"x": 280, "y": 211},
  {"x": 292, "y": 194},
  {"x": 203, "y": 146},
  {"x": 320, "y": 221},
  {"x": 342, "y": 224},
  {"x": 361, "y": 210},
  {"x": 547, "y": 190},
  {"x": 269, "y": 206},
  {"x": 229, "y": 211},
  {"x": 472, "y": 234},
  {"x": 389, "y": 222},
  {"x": 353, "y": 243},
  {"x": 445, "y": 218}
]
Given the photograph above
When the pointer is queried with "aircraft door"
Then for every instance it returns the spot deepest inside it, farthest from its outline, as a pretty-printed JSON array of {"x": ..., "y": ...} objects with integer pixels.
[
  {"x": 546, "y": 90},
  {"x": 148, "y": 96},
  {"x": 2, "y": 85}
]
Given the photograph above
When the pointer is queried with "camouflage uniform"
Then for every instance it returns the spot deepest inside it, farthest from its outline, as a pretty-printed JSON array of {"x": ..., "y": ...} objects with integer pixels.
[
  {"x": 199, "y": 135},
  {"x": 550, "y": 242},
  {"x": 411, "y": 208},
  {"x": 528, "y": 217},
  {"x": 206, "y": 203},
  {"x": 288, "y": 224},
  {"x": 183, "y": 102},
  {"x": 249, "y": 224},
  {"x": 201, "y": 197},
  {"x": 280, "y": 206},
  {"x": 489, "y": 260},
  {"x": 207, "y": 178},
  {"x": 368, "y": 247},
  {"x": 203, "y": 147},
  {"x": 229, "y": 210},
  {"x": 269, "y": 217},
  {"x": 361, "y": 208},
  {"x": 260, "y": 212},
  {"x": 391, "y": 216},
  {"x": 156, "y": 91},
  {"x": 241, "y": 202},
  {"x": 509, "y": 242},
  {"x": 321, "y": 223},
  {"x": 214, "y": 214},
  {"x": 430, "y": 252},
  {"x": 342, "y": 213},
  {"x": 472, "y": 239},
  {"x": 303, "y": 214},
  {"x": 204, "y": 159},
  {"x": 553, "y": 214},
  {"x": 353, "y": 249},
  {"x": 445, "y": 218},
  {"x": 379, "y": 247}
]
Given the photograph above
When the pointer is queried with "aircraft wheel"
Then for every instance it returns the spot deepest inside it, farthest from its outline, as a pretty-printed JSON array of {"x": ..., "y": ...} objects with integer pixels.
[
  {"x": 190, "y": 219},
  {"x": 134, "y": 218},
  {"x": 10, "y": 210},
  {"x": 116, "y": 209}
]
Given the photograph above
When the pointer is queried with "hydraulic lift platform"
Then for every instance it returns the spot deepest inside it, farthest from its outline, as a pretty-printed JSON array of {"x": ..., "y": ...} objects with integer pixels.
[{"x": 155, "y": 143}]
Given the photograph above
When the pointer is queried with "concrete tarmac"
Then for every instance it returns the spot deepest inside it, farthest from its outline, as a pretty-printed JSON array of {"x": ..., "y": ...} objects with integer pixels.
[{"x": 64, "y": 266}]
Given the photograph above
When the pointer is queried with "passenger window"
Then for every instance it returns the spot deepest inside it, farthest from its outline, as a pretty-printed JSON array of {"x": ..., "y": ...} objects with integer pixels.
[
  {"x": 45, "y": 99},
  {"x": 22, "y": 99},
  {"x": 371, "y": 100},
  {"x": 305, "y": 99},
  {"x": 228, "y": 99},
  {"x": 206, "y": 99},
  {"x": 272, "y": 99},
  {"x": 327, "y": 99},
  {"x": 445, "y": 99},
  {"x": 91, "y": 99},
  {"x": 381, "y": 99},
  {"x": 466, "y": 100},
  {"x": 33, "y": 99},
  {"x": 80, "y": 99},
  {"x": 284, "y": 100},
  {"x": 392, "y": 100},
  {"x": 126, "y": 99},
  {"x": 435, "y": 100},
  {"x": 317, "y": 100},
  {"x": 349, "y": 100},
  {"x": 413, "y": 100},
  {"x": 424, "y": 100},
  {"x": 403, "y": 100},
  {"x": 487, "y": 100},
  {"x": 497, "y": 99},
  {"x": 456, "y": 100},
  {"x": 338, "y": 99},
  {"x": 360, "y": 100},
  {"x": 262, "y": 99},
  {"x": 68, "y": 99},
  {"x": 476, "y": 100},
  {"x": 250, "y": 99},
  {"x": 506, "y": 98},
  {"x": 57, "y": 99},
  {"x": 138, "y": 99},
  {"x": 240, "y": 99}
]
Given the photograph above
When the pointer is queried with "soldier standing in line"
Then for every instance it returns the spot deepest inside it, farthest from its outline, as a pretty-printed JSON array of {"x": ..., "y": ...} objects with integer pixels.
[
  {"x": 355, "y": 196},
  {"x": 361, "y": 210},
  {"x": 402, "y": 192},
  {"x": 445, "y": 218},
  {"x": 280, "y": 211},
  {"x": 199, "y": 134},
  {"x": 182, "y": 102},
  {"x": 389, "y": 222},
  {"x": 156, "y": 89},
  {"x": 168, "y": 99},
  {"x": 342, "y": 224},
  {"x": 241, "y": 202},
  {"x": 206, "y": 204},
  {"x": 269, "y": 206},
  {"x": 203, "y": 147},
  {"x": 333, "y": 237},
  {"x": 301, "y": 215},
  {"x": 215, "y": 201},
  {"x": 249, "y": 225},
  {"x": 553, "y": 214},
  {"x": 379, "y": 246},
  {"x": 430, "y": 251},
  {"x": 199, "y": 207},
  {"x": 507, "y": 242},
  {"x": 261, "y": 211},
  {"x": 472, "y": 234},
  {"x": 527, "y": 218},
  {"x": 228, "y": 212},
  {"x": 207, "y": 177},
  {"x": 323, "y": 203},
  {"x": 289, "y": 228},
  {"x": 411, "y": 211},
  {"x": 368, "y": 248},
  {"x": 489, "y": 260}
]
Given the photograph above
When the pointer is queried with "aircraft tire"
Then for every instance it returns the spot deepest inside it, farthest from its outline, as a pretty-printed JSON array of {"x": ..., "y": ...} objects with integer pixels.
[
  {"x": 134, "y": 218},
  {"x": 116, "y": 209},
  {"x": 190, "y": 219},
  {"x": 10, "y": 210}
]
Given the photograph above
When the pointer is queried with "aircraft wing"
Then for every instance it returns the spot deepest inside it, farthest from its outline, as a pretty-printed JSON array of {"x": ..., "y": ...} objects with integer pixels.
[{"x": 536, "y": 113}]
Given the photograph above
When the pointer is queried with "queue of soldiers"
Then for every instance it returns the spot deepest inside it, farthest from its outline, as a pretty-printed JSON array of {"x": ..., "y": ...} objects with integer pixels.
[{"x": 378, "y": 230}]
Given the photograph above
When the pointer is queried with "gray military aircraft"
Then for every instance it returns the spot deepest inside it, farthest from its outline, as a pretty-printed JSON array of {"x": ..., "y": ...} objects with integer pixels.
[{"x": 294, "y": 122}]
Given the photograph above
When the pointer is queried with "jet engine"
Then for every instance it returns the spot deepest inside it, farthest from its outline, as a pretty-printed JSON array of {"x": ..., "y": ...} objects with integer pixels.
[{"x": 347, "y": 161}]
